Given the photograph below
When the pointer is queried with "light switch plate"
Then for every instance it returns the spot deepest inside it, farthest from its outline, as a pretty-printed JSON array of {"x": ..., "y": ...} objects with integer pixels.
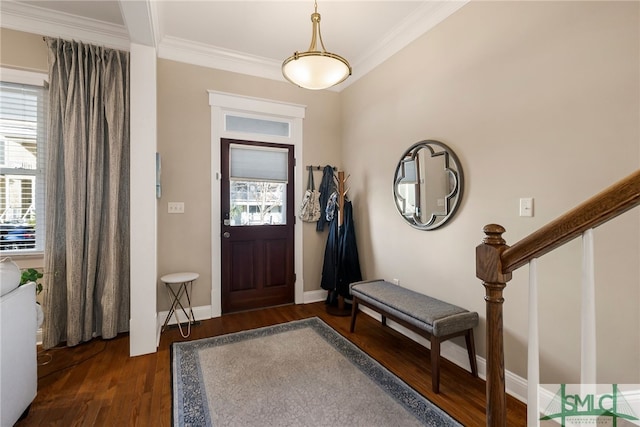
[
  {"x": 526, "y": 206},
  {"x": 176, "y": 207}
]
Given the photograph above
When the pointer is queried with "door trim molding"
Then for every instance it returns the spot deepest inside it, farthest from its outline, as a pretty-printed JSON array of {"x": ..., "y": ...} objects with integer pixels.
[{"x": 222, "y": 103}]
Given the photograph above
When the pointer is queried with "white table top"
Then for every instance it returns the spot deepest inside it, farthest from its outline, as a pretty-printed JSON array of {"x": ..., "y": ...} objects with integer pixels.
[{"x": 179, "y": 277}]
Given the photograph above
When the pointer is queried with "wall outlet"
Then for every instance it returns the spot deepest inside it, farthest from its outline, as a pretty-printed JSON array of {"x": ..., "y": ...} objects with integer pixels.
[
  {"x": 176, "y": 207},
  {"x": 396, "y": 282}
]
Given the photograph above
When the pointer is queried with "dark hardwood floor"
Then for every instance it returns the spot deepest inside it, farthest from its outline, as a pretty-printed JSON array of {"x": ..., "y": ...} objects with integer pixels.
[{"x": 98, "y": 384}]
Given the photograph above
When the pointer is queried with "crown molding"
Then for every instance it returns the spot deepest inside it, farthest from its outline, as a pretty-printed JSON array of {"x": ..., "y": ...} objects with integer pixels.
[
  {"x": 36, "y": 20},
  {"x": 181, "y": 50}
]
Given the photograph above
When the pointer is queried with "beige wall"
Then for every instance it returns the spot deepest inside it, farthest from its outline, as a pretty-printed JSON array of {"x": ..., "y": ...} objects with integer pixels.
[
  {"x": 184, "y": 141},
  {"x": 538, "y": 99},
  {"x": 23, "y": 51}
]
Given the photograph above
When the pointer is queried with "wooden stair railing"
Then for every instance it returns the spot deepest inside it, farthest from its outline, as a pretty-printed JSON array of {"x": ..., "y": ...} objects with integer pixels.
[{"x": 495, "y": 261}]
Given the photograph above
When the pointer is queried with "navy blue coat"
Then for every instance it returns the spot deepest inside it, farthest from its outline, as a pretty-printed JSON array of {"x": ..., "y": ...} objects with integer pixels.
[{"x": 341, "y": 263}]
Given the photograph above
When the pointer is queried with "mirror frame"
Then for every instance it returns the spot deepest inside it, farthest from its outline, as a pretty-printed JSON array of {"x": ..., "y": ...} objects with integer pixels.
[{"x": 452, "y": 167}]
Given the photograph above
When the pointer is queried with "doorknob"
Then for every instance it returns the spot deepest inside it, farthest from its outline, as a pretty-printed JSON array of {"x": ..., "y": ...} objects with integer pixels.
[{"x": 226, "y": 234}]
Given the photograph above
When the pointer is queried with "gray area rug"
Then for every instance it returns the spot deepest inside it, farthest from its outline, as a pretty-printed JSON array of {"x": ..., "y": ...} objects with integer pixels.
[{"x": 301, "y": 373}]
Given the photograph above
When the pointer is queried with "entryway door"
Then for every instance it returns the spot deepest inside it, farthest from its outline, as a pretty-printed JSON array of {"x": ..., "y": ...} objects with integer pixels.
[{"x": 258, "y": 217}]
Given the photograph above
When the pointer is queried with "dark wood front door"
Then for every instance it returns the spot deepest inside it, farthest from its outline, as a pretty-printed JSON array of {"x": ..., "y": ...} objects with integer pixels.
[{"x": 258, "y": 226}]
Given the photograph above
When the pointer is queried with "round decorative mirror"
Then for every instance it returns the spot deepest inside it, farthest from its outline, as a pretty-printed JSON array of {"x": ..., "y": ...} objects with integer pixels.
[{"x": 427, "y": 185}]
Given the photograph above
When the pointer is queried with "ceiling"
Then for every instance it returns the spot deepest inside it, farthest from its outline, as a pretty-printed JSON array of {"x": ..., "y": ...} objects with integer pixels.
[{"x": 249, "y": 37}]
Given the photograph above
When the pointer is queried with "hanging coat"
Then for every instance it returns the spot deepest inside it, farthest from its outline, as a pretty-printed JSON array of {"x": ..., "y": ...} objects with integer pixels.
[
  {"x": 327, "y": 187},
  {"x": 330, "y": 264},
  {"x": 341, "y": 264},
  {"x": 348, "y": 262}
]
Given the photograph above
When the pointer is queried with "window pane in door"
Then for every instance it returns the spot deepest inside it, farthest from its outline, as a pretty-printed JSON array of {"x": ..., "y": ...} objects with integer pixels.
[{"x": 257, "y": 203}]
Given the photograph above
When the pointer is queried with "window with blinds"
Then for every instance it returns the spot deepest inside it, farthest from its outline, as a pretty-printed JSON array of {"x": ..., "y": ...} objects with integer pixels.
[
  {"x": 22, "y": 162},
  {"x": 257, "y": 185}
]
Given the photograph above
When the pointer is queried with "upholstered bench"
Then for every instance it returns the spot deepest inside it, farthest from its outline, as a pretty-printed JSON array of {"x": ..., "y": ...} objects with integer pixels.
[{"x": 436, "y": 320}]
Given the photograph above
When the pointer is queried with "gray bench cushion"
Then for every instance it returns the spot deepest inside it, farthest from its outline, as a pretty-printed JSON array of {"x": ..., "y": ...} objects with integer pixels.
[{"x": 437, "y": 317}]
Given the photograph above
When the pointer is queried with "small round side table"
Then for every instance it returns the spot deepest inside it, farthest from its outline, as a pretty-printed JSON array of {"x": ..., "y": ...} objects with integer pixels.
[{"x": 184, "y": 282}]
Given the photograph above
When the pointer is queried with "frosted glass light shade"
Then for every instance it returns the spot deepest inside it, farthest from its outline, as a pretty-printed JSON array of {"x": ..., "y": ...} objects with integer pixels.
[{"x": 315, "y": 70}]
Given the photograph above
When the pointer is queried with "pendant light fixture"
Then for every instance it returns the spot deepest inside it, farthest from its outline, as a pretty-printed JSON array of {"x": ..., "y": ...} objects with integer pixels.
[{"x": 315, "y": 69}]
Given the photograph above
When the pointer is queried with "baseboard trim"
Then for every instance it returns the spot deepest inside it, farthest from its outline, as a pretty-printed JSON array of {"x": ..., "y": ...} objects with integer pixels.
[
  {"x": 200, "y": 313},
  {"x": 315, "y": 296}
]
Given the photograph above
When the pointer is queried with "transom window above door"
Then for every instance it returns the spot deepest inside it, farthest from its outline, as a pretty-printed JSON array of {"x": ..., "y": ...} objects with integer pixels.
[{"x": 235, "y": 123}]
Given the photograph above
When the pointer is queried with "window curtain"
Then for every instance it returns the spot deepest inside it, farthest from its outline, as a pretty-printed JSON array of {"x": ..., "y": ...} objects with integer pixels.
[{"x": 87, "y": 197}]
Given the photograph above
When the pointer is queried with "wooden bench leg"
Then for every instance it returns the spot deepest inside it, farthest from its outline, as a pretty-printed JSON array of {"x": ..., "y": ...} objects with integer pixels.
[
  {"x": 354, "y": 313},
  {"x": 435, "y": 364},
  {"x": 471, "y": 349}
]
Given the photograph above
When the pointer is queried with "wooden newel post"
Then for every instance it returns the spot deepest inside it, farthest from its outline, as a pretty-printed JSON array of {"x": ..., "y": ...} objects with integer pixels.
[{"x": 489, "y": 270}]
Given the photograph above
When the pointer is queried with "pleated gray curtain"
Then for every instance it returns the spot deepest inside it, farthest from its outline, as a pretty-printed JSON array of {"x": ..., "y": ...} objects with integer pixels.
[{"x": 87, "y": 197}]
